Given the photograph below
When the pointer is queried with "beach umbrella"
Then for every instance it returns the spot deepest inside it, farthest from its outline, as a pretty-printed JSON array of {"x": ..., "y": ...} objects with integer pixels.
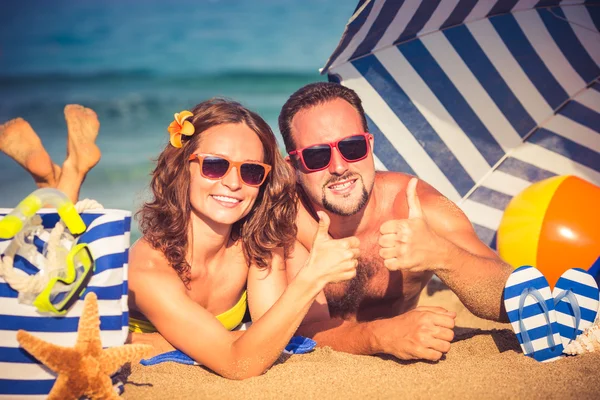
[{"x": 478, "y": 98}]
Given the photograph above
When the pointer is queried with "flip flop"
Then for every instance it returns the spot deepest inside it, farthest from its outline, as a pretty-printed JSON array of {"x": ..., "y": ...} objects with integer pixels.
[
  {"x": 530, "y": 308},
  {"x": 576, "y": 302}
]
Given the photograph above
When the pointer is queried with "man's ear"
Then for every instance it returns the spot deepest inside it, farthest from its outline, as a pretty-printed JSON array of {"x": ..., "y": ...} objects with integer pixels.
[
  {"x": 371, "y": 142},
  {"x": 295, "y": 164},
  {"x": 290, "y": 163}
]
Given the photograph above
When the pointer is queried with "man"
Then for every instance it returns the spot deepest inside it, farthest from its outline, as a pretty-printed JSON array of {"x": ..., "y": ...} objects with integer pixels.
[{"x": 407, "y": 230}]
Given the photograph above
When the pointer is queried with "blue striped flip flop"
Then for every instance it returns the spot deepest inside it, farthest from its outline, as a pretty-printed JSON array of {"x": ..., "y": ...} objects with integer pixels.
[
  {"x": 576, "y": 302},
  {"x": 530, "y": 307}
]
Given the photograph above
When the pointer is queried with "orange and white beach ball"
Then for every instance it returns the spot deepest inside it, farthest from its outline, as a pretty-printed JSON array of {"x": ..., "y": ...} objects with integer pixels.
[{"x": 552, "y": 225}]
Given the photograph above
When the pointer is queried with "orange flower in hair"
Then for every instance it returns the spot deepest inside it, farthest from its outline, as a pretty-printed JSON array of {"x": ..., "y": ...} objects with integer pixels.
[{"x": 180, "y": 127}]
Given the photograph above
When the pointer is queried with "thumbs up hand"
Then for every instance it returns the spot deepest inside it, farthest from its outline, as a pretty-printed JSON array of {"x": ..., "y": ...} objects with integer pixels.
[
  {"x": 322, "y": 234},
  {"x": 414, "y": 205},
  {"x": 331, "y": 260},
  {"x": 409, "y": 244}
]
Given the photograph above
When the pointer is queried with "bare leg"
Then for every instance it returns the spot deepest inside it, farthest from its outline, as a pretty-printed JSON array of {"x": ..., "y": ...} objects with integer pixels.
[
  {"x": 20, "y": 142},
  {"x": 82, "y": 152}
]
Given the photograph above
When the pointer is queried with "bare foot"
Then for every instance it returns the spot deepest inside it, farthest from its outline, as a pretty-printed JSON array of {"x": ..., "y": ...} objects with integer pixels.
[
  {"x": 82, "y": 152},
  {"x": 20, "y": 142},
  {"x": 83, "y": 126},
  {"x": 57, "y": 171}
]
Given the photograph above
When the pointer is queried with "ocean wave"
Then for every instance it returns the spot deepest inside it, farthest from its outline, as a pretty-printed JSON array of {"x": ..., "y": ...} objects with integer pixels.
[
  {"x": 128, "y": 97},
  {"x": 147, "y": 75}
]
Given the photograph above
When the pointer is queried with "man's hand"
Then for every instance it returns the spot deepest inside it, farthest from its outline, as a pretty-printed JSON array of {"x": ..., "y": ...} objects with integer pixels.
[
  {"x": 410, "y": 244},
  {"x": 424, "y": 333},
  {"x": 331, "y": 260}
]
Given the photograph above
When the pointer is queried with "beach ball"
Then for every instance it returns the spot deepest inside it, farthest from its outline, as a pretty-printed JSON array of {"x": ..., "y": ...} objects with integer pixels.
[{"x": 553, "y": 225}]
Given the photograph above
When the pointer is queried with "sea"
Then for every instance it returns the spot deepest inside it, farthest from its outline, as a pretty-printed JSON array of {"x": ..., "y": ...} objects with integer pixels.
[{"x": 137, "y": 62}]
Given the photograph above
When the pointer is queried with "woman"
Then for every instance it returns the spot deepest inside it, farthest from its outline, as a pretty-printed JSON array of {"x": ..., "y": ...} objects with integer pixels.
[{"x": 222, "y": 222}]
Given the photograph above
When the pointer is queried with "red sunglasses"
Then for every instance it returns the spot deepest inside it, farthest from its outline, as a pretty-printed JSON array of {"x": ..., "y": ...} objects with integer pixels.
[
  {"x": 318, "y": 157},
  {"x": 252, "y": 173}
]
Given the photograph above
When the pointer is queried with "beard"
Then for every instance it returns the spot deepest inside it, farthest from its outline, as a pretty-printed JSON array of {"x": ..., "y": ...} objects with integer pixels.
[{"x": 347, "y": 209}]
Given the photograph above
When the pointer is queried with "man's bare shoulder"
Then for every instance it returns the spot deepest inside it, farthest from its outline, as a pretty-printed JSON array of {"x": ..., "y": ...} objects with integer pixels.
[
  {"x": 390, "y": 180},
  {"x": 390, "y": 190},
  {"x": 434, "y": 204}
]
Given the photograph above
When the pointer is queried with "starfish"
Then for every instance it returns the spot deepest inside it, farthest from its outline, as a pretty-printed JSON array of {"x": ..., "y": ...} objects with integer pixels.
[{"x": 83, "y": 370}]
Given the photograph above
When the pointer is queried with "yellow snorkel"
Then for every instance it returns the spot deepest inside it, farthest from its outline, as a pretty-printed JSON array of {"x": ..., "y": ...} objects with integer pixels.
[
  {"x": 65, "y": 273},
  {"x": 12, "y": 224}
]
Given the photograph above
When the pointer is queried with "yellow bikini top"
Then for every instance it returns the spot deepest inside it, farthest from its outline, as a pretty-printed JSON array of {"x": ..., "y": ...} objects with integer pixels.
[
  {"x": 230, "y": 318},
  {"x": 234, "y": 316}
]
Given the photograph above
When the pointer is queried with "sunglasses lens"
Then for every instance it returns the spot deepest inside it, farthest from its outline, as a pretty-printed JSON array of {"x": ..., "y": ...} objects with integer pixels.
[
  {"x": 317, "y": 157},
  {"x": 214, "y": 167},
  {"x": 252, "y": 174},
  {"x": 353, "y": 148}
]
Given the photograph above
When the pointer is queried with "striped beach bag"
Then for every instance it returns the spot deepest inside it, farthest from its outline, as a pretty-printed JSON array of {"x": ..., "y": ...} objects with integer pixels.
[{"x": 107, "y": 237}]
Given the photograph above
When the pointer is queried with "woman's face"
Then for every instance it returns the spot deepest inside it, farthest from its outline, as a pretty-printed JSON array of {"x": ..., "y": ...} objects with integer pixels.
[{"x": 228, "y": 199}]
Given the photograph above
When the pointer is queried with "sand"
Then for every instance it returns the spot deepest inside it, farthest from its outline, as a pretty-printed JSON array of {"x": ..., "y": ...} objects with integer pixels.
[{"x": 485, "y": 361}]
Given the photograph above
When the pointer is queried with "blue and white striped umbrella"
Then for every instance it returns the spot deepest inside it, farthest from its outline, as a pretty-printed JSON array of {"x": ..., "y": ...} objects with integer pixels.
[{"x": 478, "y": 98}]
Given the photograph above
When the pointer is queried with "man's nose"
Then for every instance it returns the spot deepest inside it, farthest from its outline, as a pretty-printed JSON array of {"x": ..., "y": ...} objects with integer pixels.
[
  {"x": 338, "y": 165},
  {"x": 232, "y": 179}
]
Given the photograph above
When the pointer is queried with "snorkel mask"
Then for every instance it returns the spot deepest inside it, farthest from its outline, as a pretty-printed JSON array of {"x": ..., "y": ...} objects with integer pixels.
[{"x": 63, "y": 274}]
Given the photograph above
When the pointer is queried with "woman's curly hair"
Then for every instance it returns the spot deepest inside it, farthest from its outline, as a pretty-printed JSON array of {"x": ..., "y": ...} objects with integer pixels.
[{"x": 164, "y": 221}]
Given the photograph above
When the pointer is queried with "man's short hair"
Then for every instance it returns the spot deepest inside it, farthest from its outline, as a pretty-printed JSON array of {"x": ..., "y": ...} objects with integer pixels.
[{"x": 311, "y": 95}]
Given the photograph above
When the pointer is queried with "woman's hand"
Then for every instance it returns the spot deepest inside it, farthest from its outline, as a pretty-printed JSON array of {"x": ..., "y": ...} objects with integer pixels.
[{"x": 330, "y": 260}]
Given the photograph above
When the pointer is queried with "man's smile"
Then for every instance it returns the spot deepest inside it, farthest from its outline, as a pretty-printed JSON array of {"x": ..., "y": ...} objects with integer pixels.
[{"x": 343, "y": 187}]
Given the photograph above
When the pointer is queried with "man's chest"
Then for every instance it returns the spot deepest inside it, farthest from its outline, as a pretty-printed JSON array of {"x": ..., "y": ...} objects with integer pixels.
[{"x": 375, "y": 292}]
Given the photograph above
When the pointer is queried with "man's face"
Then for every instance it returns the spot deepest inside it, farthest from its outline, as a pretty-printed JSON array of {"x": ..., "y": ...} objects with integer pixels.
[{"x": 342, "y": 188}]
